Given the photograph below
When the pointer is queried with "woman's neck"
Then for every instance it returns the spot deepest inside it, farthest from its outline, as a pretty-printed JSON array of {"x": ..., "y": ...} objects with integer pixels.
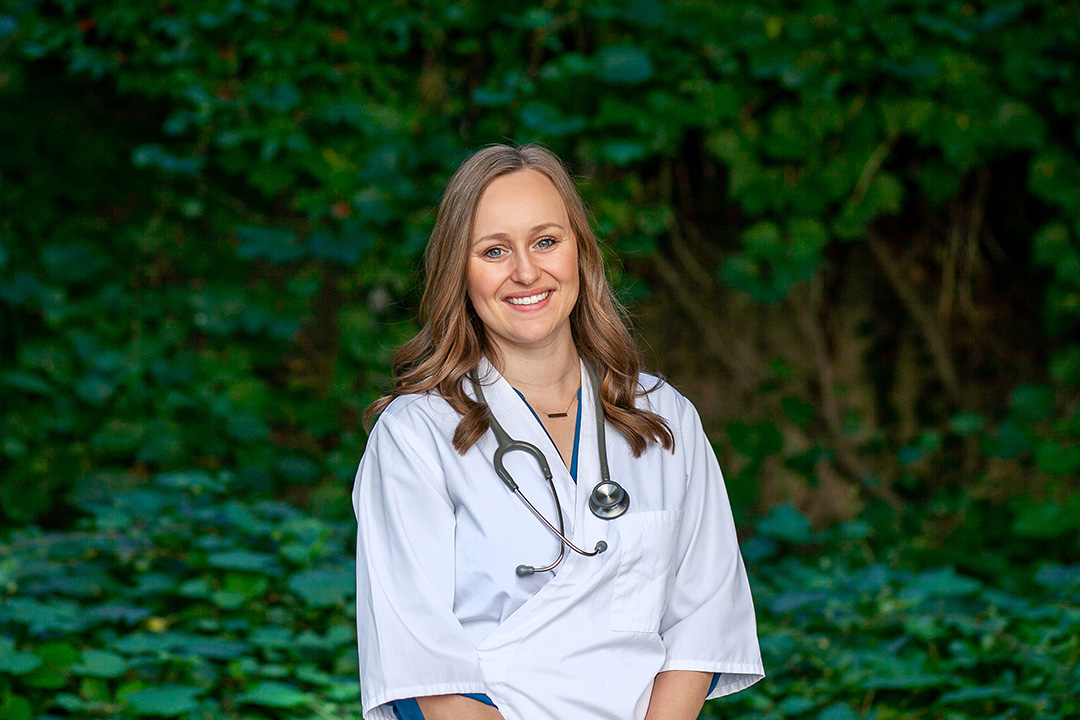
[{"x": 542, "y": 372}]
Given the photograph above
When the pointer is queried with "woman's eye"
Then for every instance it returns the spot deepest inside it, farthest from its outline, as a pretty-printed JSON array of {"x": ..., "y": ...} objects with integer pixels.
[
  {"x": 546, "y": 242},
  {"x": 493, "y": 252}
]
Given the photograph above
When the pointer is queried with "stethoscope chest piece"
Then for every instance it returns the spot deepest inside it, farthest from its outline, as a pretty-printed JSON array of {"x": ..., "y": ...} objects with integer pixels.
[{"x": 608, "y": 500}]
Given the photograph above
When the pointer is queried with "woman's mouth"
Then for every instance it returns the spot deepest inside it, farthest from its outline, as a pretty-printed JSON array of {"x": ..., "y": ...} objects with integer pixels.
[{"x": 530, "y": 299}]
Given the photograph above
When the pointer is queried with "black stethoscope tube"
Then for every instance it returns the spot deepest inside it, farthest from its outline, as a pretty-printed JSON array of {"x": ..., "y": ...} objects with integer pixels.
[{"x": 608, "y": 499}]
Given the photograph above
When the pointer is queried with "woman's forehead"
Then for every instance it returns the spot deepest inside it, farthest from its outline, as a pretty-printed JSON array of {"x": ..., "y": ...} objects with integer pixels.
[{"x": 520, "y": 201}]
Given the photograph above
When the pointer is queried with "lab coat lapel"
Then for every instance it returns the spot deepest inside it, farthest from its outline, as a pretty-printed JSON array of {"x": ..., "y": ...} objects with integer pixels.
[{"x": 519, "y": 422}]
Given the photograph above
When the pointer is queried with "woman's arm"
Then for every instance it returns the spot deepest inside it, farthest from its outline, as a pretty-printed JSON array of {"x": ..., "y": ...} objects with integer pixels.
[
  {"x": 456, "y": 707},
  {"x": 678, "y": 695}
]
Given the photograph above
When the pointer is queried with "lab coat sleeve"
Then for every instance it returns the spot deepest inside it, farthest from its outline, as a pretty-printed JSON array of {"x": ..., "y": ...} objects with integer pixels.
[
  {"x": 410, "y": 642},
  {"x": 709, "y": 623}
]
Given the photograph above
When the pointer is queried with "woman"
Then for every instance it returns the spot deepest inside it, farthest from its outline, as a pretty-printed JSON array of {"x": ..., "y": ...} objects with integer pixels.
[{"x": 650, "y": 611}]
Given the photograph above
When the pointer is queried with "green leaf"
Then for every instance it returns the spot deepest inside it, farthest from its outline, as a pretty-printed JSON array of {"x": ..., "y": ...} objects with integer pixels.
[
  {"x": 943, "y": 582},
  {"x": 966, "y": 423},
  {"x": 274, "y": 694},
  {"x": 26, "y": 382},
  {"x": 244, "y": 560},
  {"x": 1009, "y": 442},
  {"x": 194, "y": 480},
  {"x": 623, "y": 65},
  {"x": 73, "y": 262},
  {"x": 785, "y": 523},
  {"x": 155, "y": 156},
  {"x": 216, "y": 648},
  {"x": 1065, "y": 366},
  {"x": 101, "y": 663},
  {"x": 274, "y": 244},
  {"x": 167, "y": 700},
  {"x": 1032, "y": 403},
  {"x": 323, "y": 587},
  {"x": 756, "y": 441},
  {"x": 838, "y": 711},
  {"x": 228, "y": 599},
  {"x": 271, "y": 637},
  {"x": 71, "y": 703},
  {"x": 762, "y": 239},
  {"x": 1058, "y": 457},
  {"x": 56, "y": 661},
  {"x": 148, "y": 643},
  {"x": 623, "y": 152},
  {"x": 1065, "y": 578},
  {"x": 14, "y": 661},
  {"x": 548, "y": 121},
  {"x": 1045, "y": 520},
  {"x": 907, "y": 681},
  {"x": 15, "y": 707},
  {"x": 799, "y": 411},
  {"x": 793, "y": 600}
]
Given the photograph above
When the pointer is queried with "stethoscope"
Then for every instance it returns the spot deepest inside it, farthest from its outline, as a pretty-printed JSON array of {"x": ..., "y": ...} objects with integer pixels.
[{"x": 607, "y": 501}]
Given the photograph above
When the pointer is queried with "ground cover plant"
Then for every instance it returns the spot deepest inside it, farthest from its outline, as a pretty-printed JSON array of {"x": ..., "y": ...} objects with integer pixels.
[{"x": 188, "y": 599}]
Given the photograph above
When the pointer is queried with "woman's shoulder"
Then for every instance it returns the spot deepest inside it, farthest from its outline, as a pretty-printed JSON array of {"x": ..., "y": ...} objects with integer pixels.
[
  {"x": 419, "y": 410},
  {"x": 658, "y": 395},
  {"x": 658, "y": 390}
]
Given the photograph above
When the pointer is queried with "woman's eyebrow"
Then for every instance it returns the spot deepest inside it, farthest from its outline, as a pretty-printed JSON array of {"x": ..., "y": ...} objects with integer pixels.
[{"x": 504, "y": 236}]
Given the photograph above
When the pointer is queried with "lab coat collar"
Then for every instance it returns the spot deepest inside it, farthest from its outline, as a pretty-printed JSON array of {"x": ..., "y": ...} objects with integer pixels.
[{"x": 519, "y": 422}]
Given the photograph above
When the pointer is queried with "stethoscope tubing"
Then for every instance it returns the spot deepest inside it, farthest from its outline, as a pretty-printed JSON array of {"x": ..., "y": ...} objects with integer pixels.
[{"x": 506, "y": 444}]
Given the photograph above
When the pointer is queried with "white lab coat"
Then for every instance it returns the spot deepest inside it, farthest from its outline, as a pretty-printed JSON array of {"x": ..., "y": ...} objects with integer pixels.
[{"x": 440, "y": 609}]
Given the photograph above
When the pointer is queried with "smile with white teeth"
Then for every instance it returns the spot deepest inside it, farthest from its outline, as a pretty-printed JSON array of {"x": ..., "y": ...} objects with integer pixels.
[{"x": 531, "y": 300}]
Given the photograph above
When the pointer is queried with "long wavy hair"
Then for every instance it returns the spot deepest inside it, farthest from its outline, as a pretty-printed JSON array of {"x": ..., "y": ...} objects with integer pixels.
[{"x": 452, "y": 338}]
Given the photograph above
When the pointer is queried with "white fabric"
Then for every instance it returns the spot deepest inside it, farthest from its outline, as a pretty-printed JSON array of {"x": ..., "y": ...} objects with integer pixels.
[{"x": 440, "y": 609}]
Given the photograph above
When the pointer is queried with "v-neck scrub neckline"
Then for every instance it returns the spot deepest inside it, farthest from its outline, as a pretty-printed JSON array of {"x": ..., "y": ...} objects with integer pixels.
[{"x": 577, "y": 431}]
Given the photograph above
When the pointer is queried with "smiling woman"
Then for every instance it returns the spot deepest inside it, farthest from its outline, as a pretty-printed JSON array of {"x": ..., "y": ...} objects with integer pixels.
[{"x": 519, "y": 329}]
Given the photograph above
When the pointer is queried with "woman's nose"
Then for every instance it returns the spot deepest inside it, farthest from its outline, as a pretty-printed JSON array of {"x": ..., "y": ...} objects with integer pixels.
[{"x": 525, "y": 270}]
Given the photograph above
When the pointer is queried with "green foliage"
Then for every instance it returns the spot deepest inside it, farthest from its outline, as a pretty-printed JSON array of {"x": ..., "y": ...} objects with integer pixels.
[
  {"x": 219, "y": 277},
  {"x": 188, "y": 599},
  {"x": 846, "y": 633},
  {"x": 180, "y": 599},
  {"x": 211, "y": 217}
]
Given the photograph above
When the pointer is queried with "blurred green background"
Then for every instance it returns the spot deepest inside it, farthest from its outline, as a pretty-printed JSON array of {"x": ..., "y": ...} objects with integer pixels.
[{"x": 849, "y": 231}]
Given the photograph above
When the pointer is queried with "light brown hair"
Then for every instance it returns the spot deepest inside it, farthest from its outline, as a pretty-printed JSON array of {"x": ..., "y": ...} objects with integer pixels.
[{"x": 452, "y": 337}]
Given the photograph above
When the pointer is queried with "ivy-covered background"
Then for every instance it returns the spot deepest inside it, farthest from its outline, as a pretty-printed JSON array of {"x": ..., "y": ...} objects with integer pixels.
[{"x": 849, "y": 231}]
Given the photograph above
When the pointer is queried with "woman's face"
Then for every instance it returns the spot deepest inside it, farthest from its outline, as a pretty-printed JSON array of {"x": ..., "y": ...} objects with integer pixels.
[{"x": 523, "y": 262}]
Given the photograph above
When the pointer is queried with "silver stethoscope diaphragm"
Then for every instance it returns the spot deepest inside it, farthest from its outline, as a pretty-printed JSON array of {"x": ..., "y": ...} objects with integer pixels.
[{"x": 608, "y": 499}]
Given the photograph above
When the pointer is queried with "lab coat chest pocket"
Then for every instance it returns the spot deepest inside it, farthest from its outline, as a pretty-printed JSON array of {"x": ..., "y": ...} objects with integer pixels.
[{"x": 647, "y": 541}]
